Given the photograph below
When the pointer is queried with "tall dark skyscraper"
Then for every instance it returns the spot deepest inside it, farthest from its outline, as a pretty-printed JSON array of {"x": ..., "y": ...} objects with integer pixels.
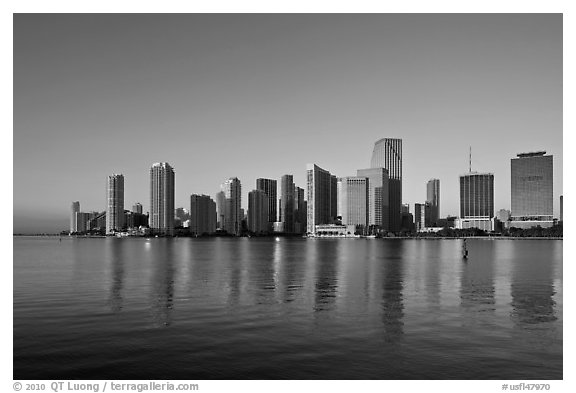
[
  {"x": 287, "y": 203},
  {"x": 162, "y": 184},
  {"x": 477, "y": 196},
  {"x": 233, "y": 215},
  {"x": 433, "y": 199},
  {"x": 202, "y": 215},
  {"x": 114, "y": 204},
  {"x": 320, "y": 199},
  {"x": 269, "y": 187},
  {"x": 531, "y": 192},
  {"x": 387, "y": 154},
  {"x": 258, "y": 212}
]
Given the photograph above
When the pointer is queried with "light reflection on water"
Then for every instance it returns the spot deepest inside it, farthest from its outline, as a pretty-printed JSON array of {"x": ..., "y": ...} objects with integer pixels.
[{"x": 295, "y": 308}]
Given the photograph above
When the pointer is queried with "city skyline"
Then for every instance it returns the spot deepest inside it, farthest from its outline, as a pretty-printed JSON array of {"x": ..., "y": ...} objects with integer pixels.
[{"x": 314, "y": 88}]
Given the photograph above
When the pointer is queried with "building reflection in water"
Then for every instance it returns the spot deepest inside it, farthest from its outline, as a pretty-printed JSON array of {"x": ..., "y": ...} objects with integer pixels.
[
  {"x": 163, "y": 273},
  {"x": 392, "y": 287},
  {"x": 477, "y": 290},
  {"x": 326, "y": 277},
  {"x": 115, "y": 256},
  {"x": 262, "y": 264},
  {"x": 532, "y": 285},
  {"x": 292, "y": 267}
]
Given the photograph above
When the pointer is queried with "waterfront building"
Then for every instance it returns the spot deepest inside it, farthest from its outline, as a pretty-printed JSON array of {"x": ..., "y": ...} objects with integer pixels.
[
  {"x": 82, "y": 222},
  {"x": 561, "y": 208},
  {"x": 378, "y": 198},
  {"x": 162, "y": 184},
  {"x": 258, "y": 208},
  {"x": 299, "y": 211},
  {"x": 353, "y": 202},
  {"x": 419, "y": 216},
  {"x": 531, "y": 191},
  {"x": 433, "y": 200},
  {"x": 269, "y": 186},
  {"x": 74, "y": 208},
  {"x": 220, "y": 209},
  {"x": 287, "y": 207},
  {"x": 321, "y": 208},
  {"x": 476, "y": 201},
  {"x": 233, "y": 214},
  {"x": 387, "y": 154},
  {"x": 202, "y": 216},
  {"x": 115, "y": 204},
  {"x": 137, "y": 208},
  {"x": 135, "y": 220}
]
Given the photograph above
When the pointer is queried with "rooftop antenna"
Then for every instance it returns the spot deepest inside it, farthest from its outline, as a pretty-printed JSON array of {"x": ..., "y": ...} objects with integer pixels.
[{"x": 470, "y": 161}]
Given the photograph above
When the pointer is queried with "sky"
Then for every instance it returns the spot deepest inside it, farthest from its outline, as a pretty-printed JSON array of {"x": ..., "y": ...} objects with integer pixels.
[{"x": 262, "y": 95}]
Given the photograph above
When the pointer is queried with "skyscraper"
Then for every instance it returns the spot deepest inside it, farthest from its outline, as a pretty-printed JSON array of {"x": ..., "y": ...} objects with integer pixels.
[
  {"x": 287, "y": 203},
  {"x": 115, "y": 204},
  {"x": 258, "y": 211},
  {"x": 202, "y": 215},
  {"x": 299, "y": 211},
  {"x": 387, "y": 154},
  {"x": 476, "y": 201},
  {"x": 137, "y": 208},
  {"x": 420, "y": 216},
  {"x": 75, "y": 208},
  {"x": 378, "y": 198},
  {"x": 353, "y": 201},
  {"x": 433, "y": 198},
  {"x": 269, "y": 187},
  {"x": 232, "y": 207},
  {"x": 319, "y": 188},
  {"x": 531, "y": 192},
  {"x": 162, "y": 184},
  {"x": 220, "y": 209}
]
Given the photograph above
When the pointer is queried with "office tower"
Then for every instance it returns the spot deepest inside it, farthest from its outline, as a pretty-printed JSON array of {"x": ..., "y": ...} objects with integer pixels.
[
  {"x": 162, "y": 183},
  {"x": 258, "y": 208},
  {"x": 476, "y": 201},
  {"x": 320, "y": 209},
  {"x": 299, "y": 211},
  {"x": 75, "y": 208},
  {"x": 561, "y": 208},
  {"x": 233, "y": 214},
  {"x": 269, "y": 187},
  {"x": 115, "y": 204},
  {"x": 353, "y": 201},
  {"x": 378, "y": 198},
  {"x": 287, "y": 203},
  {"x": 333, "y": 197},
  {"x": 405, "y": 208},
  {"x": 420, "y": 216},
  {"x": 137, "y": 208},
  {"x": 531, "y": 192},
  {"x": 220, "y": 209},
  {"x": 387, "y": 154},
  {"x": 433, "y": 199},
  {"x": 202, "y": 215}
]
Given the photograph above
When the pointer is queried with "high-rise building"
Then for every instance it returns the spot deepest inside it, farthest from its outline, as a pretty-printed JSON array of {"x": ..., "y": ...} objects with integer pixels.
[
  {"x": 287, "y": 203},
  {"x": 476, "y": 201},
  {"x": 137, "y": 208},
  {"x": 420, "y": 216},
  {"x": 378, "y": 198},
  {"x": 220, "y": 209},
  {"x": 531, "y": 192},
  {"x": 162, "y": 184},
  {"x": 75, "y": 208},
  {"x": 299, "y": 211},
  {"x": 233, "y": 214},
  {"x": 433, "y": 199},
  {"x": 353, "y": 201},
  {"x": 202, "y": 215},
  {"x": 269, "y": 187},
  {"x": 319, "y": 191},
  {"x": 561, "y": 208},
  {"x": 115, "y": 204},
  {"x": 387, "y": 154},
  {"x": 258, "y": 209},
  {"x": 405, "y": 208}
]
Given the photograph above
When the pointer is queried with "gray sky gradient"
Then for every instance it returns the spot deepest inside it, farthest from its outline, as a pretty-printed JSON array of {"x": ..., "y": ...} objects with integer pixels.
[{"x": 254, "y": 96}]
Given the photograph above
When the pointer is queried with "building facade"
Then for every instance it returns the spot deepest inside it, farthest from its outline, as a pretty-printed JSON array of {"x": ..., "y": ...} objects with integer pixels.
[
  {"x": 269, "y": 186},
  {"x": 162, "y": 184},
  {"x": 74, "y": 208},
  {"x": 258, "y": 208},
  {"x": 378, "y": 198},
  {"x": 419, "y": 216},
  {"x": 353, "y": 200},
  {"x": 319, "y": 190},
  {"x": 233, "y": 214},
  {"x": 202, "y": 215},
  {"x": 287, "y": 207},
  {"x": 137, "y": 208},
  {"x": 433, "y": 199},
  {"x": 387, "y": 154},
  {"x": 299, "y": 210},
  {"x": 115, "y": 204},
  {"x": 476, "y": 201},
  {"x": 532, "y": 190}
]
